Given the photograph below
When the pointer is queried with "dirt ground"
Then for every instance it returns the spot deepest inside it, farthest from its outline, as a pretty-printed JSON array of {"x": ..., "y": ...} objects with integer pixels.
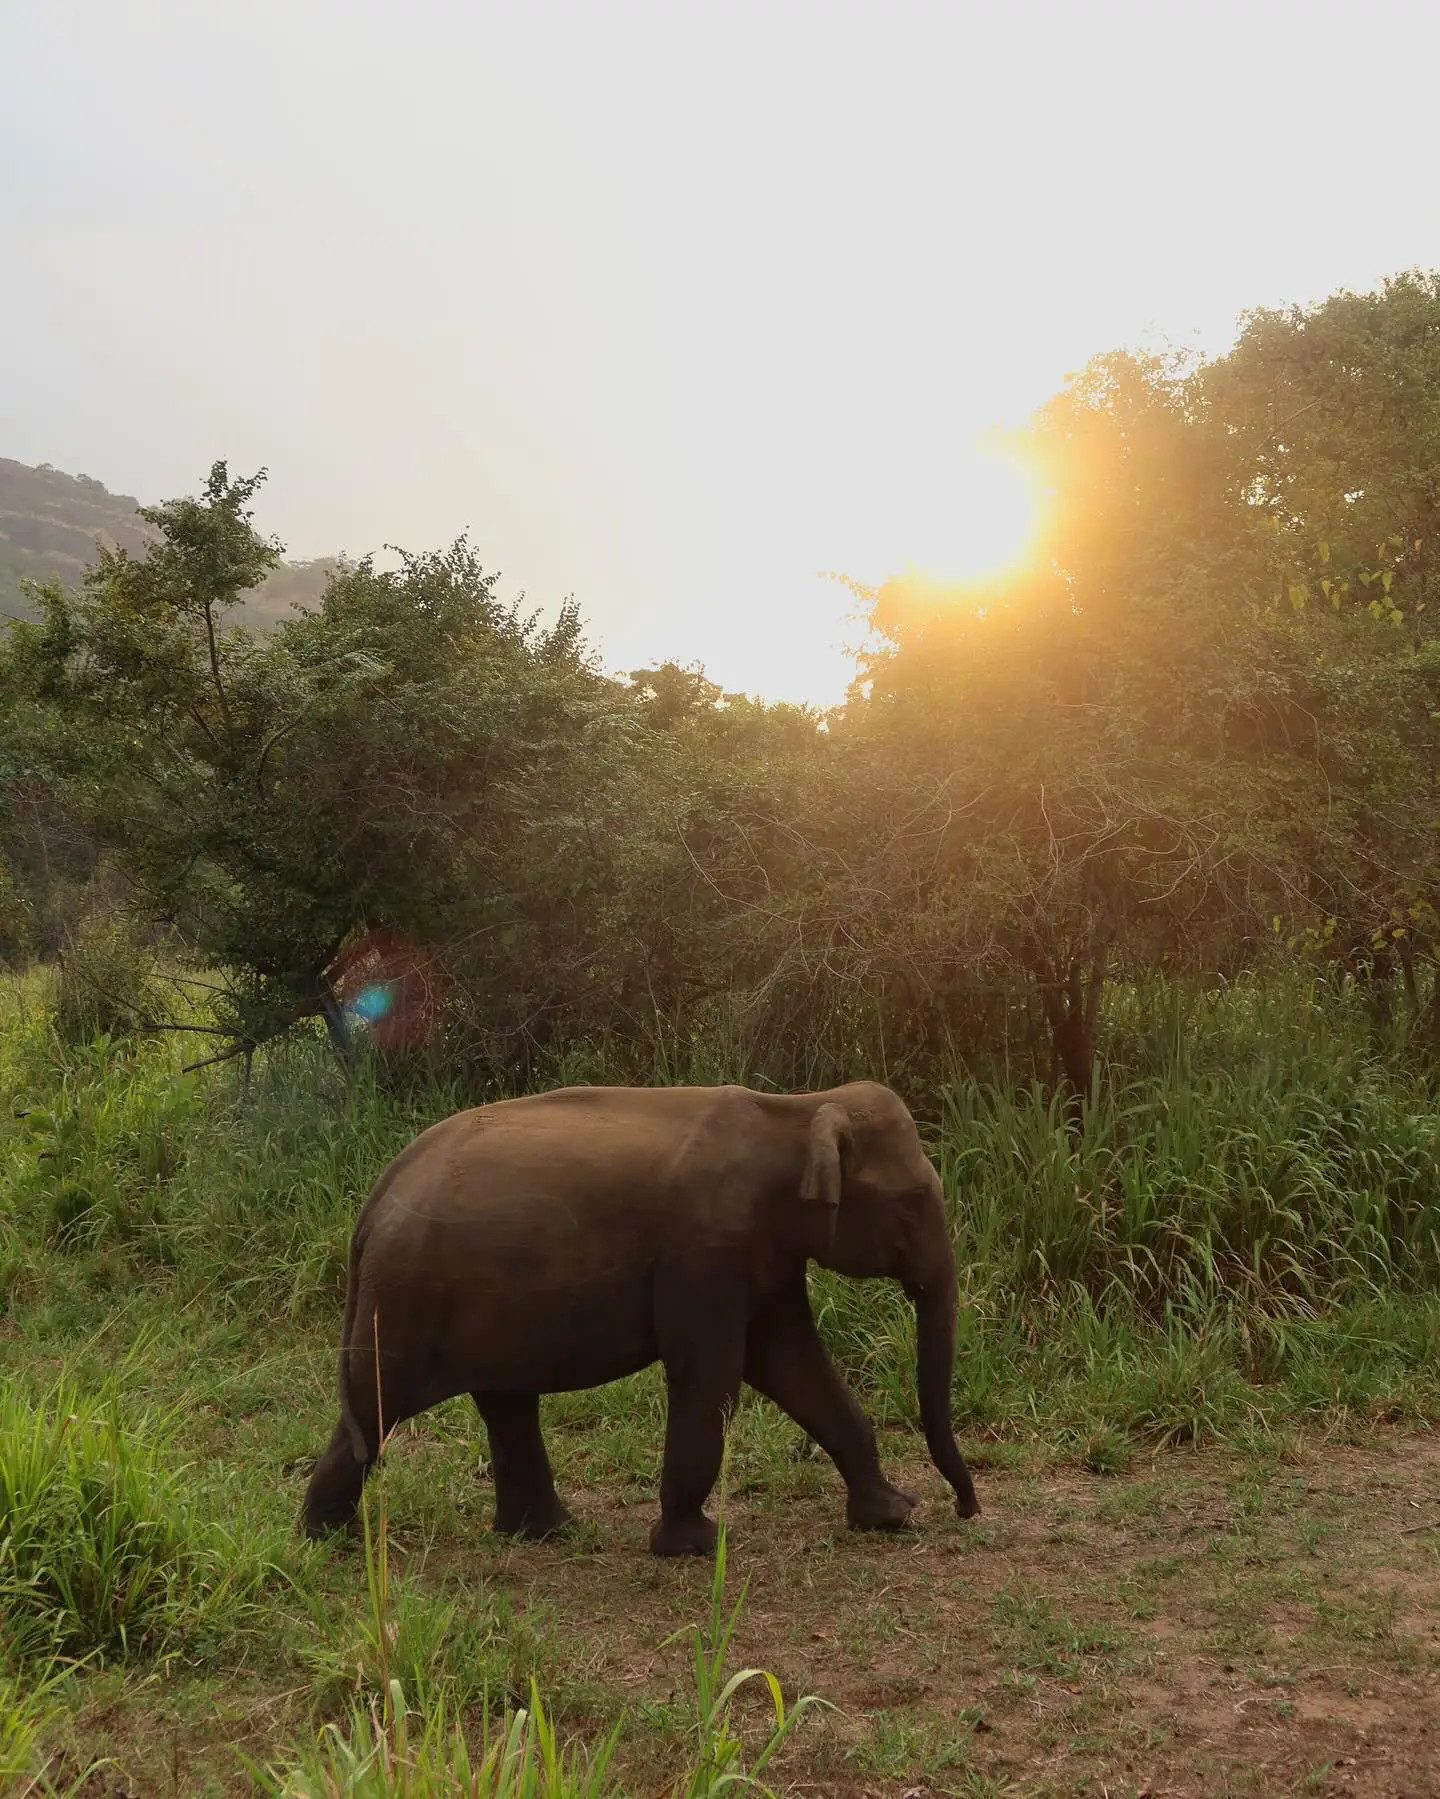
[{"x": 1202, "y": 1624}]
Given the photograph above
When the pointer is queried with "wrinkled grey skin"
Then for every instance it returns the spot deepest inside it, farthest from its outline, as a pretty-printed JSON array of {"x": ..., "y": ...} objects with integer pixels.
[{"x": 556, "y": 1242}]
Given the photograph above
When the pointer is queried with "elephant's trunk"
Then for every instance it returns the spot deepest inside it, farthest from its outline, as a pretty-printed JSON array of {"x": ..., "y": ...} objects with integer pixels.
[{"x": 935, "y": 1303}]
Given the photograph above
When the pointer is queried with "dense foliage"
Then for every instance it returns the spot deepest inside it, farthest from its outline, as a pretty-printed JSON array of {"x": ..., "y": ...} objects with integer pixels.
[{"x": 1195, "y": 729}]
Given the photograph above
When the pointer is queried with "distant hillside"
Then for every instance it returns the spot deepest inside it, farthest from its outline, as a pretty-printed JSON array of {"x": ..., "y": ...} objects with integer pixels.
[{"x": 49, "y": 524}]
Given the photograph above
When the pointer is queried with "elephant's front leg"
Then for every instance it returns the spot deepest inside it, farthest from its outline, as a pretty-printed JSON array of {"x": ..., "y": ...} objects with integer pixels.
[
  {"x": 786, "y": 1361},
  {"x": 700, "y": 1316}
]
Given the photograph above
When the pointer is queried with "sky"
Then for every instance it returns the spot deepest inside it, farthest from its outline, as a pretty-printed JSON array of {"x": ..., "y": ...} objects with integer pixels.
[{"x": 672, "y": 307}]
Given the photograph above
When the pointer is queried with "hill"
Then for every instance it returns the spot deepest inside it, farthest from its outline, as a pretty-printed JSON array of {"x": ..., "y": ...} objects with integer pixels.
[{"x": 51, "y": 525}]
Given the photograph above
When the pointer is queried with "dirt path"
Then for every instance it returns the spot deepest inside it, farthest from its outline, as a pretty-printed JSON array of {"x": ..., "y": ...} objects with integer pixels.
[{"x": 1201, "y": 1625}]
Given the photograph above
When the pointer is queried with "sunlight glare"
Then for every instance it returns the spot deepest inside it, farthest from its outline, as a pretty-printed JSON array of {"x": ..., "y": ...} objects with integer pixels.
[
  {"x": 947, "y": 528},
  {"x": 986, "y": 526}
]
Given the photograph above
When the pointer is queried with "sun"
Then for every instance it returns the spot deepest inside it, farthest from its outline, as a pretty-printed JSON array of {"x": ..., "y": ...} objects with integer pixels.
[
  {"x": 983, "y": 525},
  {"x": 951, "y": 519}
]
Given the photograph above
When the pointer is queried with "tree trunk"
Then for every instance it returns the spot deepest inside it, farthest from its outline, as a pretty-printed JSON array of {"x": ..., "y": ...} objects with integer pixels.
[
  {"x": 1072, "y": 1010},
  {"x": 336, "y": 1027}
]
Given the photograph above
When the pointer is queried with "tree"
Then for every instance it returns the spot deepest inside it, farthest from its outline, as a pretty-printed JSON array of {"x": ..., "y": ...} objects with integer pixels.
[
  {"x": 1133, "y": 753},
  {"x": 364, "y": 764},
  {"x": 658, "y": 881},
  {"x": 1197, "y": 725},
  {"x": 1331, "y": 417}
]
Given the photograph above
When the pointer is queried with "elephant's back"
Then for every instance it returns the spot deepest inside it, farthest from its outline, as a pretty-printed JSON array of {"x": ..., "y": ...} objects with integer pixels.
[
  {"x": 538, "y": 1155},
  {"x": 579, "y": 1175}
]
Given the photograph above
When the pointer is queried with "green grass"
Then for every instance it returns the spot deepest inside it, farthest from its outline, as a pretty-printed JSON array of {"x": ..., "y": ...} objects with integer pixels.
[
  {"x": 1242, "y": 1241},
  {"x": 384, "y": 1750},
  {"x": 431, "y": 1758},
  {"x": 106, "y": 1551},
  {"x": 29, "y": 1709}
]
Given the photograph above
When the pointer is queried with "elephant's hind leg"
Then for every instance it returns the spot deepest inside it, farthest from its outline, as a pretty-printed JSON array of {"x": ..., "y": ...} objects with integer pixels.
[
  {"x": 526, "y": 1504},
  {"x": 333, "y": 1495}
]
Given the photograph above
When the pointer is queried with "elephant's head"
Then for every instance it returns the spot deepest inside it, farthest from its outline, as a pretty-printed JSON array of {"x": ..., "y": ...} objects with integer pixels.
[{"x": 878, "y": 1209}]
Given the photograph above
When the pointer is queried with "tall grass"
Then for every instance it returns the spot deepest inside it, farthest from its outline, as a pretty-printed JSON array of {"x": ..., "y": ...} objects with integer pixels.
[
  {"x": 1251, "y": 1146},
  {"x": 384, "y": 1751},
  {"x": 429, "y": 1756},
  {"x": 29, "y": 1706},
  {"x": 103, "y": 1551},
  {"x": 109, "y": 1150},
  {"x": 376, "y": 1754},
  {"x": 1252, "y": 1202}
]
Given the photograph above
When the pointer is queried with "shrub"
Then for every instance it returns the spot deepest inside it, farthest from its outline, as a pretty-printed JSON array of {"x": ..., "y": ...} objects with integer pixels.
[
  {"x": 101, "y": 1550},
  {"x": 106, "y": 979}
]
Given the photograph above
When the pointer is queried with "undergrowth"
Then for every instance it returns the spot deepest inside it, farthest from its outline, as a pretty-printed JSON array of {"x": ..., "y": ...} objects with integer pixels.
[
  {"x": 1242, "y": 1234},
  {"x": 104, "y": 1551}
]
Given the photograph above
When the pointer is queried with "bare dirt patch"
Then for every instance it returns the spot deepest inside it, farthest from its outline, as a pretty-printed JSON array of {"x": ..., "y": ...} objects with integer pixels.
[{"x": 1208, "y": 1624}]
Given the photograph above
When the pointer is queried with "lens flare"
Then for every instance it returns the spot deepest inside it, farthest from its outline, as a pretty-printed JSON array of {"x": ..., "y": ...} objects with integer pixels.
[
  {"x": 388, "y": 989},
  {"x": 372, "y": 1003}
]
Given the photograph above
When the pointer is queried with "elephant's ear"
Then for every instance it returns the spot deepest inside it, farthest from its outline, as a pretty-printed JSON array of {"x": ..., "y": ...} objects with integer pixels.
[{"x": 829, "y": 1134}]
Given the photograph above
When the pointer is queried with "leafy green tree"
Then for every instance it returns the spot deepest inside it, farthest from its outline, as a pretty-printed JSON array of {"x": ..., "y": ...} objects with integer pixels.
[
  {"x": 1132, "y": 754},
  {"x": 364, "y": 764},
  {"x": 1331, "y": 418},
  {"x": 657, "y": 884}
]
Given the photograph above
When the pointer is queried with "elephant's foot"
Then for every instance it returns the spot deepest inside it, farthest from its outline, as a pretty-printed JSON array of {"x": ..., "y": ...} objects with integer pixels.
[
  {"x": 332, "y": 1495},
  {"x": 321, "y": 1526},
  {"x": 532, "y": 1524},
  {"x": 882, "y": 1508},
  {"x": 683, "y": 1536}
]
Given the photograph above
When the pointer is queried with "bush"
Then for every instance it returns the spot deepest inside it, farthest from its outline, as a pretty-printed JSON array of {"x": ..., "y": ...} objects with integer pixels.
[
  {"x": 101, "y": 1551},
  {"x": 106, "y": 985}
]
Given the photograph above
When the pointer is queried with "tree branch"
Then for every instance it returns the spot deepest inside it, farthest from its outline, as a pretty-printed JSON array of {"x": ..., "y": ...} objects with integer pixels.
[{"x": 243, "y": 1048}]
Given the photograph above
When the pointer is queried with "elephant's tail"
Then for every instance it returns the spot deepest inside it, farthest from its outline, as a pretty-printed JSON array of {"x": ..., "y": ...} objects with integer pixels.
[{"x": 348, "y": 1350}]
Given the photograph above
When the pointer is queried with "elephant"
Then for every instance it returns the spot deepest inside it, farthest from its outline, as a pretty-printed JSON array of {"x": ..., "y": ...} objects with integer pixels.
[{"x": 569, "y": 1238}]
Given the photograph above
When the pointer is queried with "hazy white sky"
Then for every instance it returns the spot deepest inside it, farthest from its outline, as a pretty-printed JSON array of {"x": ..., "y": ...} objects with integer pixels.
[{"x": 671, "y": 305}]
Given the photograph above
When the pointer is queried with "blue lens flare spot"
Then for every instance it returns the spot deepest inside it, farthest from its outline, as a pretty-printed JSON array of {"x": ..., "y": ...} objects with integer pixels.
[{"x": 372, "y": 1003}]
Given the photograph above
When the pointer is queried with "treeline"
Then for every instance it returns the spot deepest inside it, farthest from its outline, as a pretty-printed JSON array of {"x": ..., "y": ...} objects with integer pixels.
[{"x": 1196, "y": 730}]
